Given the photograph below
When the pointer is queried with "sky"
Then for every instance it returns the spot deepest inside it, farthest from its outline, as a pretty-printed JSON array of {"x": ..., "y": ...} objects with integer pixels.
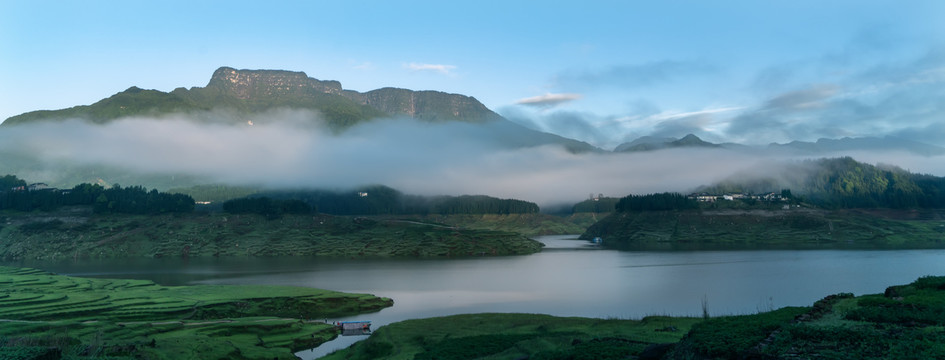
[{"x": 604, "y": 72}]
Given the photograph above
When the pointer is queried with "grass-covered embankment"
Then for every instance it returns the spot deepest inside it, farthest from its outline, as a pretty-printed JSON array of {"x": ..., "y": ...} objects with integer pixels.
[
  {"x": 107, "y": 318},
  {"x": 516, "y": 336},
  {"x": 906, "y": 322},
  {"x": 526, "y": 224},
  {"x": 797, "y": 228},
  {"x": 77, "y": 233}
]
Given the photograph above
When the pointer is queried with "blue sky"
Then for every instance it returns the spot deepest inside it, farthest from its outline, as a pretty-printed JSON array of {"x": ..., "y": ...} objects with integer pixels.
[{"x": 599, "y": 71}]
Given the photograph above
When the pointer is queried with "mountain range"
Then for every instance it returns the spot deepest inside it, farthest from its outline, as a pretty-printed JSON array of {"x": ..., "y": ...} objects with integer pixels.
[
  {"x": 820, "y": 147},
  {"x": 249, "y": 92}
]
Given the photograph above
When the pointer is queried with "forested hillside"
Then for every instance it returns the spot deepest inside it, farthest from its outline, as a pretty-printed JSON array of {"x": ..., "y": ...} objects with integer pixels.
[
  {"x": 16, "y": 195},
  {"x": 844, "y": 183},
  {"x": 383, "y": 200}
]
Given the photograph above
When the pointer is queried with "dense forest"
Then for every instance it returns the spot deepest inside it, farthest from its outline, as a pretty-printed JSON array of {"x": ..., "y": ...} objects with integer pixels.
[
  {"x": 845, "y": 183},
  {"x": 597, "y": 204},
  {"x": 656, "y": 202},
  {"x": 382, "y": 200},
  {"x": 15, "y": 194}
]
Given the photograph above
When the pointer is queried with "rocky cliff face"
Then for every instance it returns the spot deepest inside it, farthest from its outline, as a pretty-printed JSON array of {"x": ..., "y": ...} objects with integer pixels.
[
  {"x": 423, "y": 105},
  {"x": 255, "y": 84},
  {"x": 252, "y": 91}
]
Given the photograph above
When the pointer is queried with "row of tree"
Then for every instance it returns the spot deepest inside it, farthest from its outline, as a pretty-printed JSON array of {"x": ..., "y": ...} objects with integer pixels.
[
  {"x": 383, "y": 200},
  {"x": 656, "y": 202},
  {"x": 115, "y": 199}
]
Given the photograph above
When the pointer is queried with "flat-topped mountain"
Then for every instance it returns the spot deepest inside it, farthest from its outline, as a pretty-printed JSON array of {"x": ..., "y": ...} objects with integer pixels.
[
  {"x": 252, "y": 91},
  {"x": 256, "y": 97}
]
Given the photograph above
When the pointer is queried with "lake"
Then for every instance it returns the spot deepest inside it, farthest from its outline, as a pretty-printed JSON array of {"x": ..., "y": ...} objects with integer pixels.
[{"x": 568, "y": 278}]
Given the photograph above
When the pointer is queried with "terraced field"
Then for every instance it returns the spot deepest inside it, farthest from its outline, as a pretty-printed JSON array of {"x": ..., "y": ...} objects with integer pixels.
[{"x": 61, "y": 316}]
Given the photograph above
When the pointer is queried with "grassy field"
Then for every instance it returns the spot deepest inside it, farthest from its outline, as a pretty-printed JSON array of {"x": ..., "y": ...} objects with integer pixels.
[
  {"x": 766, "y": 229},
  {"x": 516, "y": 336},
  {"x": 76, "y": 233},
  {"x": 83, "y": 318}
]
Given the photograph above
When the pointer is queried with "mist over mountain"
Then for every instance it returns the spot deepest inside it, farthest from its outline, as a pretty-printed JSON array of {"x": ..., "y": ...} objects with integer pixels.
[
  {"x": 649, "y": 143},
  {"x": 235, "y": 96},
  {"x": 282, "y": 129}
]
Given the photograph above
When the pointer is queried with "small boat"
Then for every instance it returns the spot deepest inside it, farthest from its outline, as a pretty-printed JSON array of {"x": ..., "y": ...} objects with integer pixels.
[{"x": 354, "y": 327}]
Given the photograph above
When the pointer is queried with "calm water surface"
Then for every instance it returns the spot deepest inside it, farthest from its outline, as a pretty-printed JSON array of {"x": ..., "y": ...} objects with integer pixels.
[{"x": 568, "y": 278}]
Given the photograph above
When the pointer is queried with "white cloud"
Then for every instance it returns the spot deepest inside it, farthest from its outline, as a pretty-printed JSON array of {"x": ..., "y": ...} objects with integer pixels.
[
  {"x": 548, "y": 100},
  {"x": 677, "y": 115},
  {"x": 440, "y": 68}
]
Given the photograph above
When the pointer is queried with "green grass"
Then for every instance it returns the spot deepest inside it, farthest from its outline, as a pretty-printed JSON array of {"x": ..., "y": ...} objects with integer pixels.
[
  {"x": 95, "y": 318},
  {"x": 904, "y": 323},
  {"x": 509, "y": 336}
]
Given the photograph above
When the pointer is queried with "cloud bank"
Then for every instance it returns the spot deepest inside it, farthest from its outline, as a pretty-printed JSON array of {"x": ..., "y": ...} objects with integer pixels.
[{"x": 290, "y": 149}]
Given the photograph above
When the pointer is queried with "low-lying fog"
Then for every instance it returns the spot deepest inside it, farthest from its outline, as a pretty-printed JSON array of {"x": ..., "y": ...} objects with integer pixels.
[{"x": 290, "y": 148}]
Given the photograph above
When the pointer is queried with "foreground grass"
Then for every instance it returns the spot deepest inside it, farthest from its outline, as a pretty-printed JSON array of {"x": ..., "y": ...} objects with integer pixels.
[
  {"x": 906, "y": 322},
  {"x": 76, "y": 233},
  {"x": 513, "y": 336},
  {"x": 772, "y": 229},
  {"x": 83, "y": 318}
]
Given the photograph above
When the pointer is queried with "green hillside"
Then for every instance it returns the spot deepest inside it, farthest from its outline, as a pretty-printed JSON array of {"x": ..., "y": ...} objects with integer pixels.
[
  {"x": 247, "y": 92},
  {"x": 825, "y": 203},
  {"x": 844, "y": 183},
  {"x": 48, "y": 316},
  {"x": 75, "y": 232},
  {"x": 794, "y": 228}
]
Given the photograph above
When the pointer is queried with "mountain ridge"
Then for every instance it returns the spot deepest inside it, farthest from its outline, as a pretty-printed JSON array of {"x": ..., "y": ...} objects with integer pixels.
[
  {"x": 252, "y": 91},
  {"x": 819, "y": 147}
]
